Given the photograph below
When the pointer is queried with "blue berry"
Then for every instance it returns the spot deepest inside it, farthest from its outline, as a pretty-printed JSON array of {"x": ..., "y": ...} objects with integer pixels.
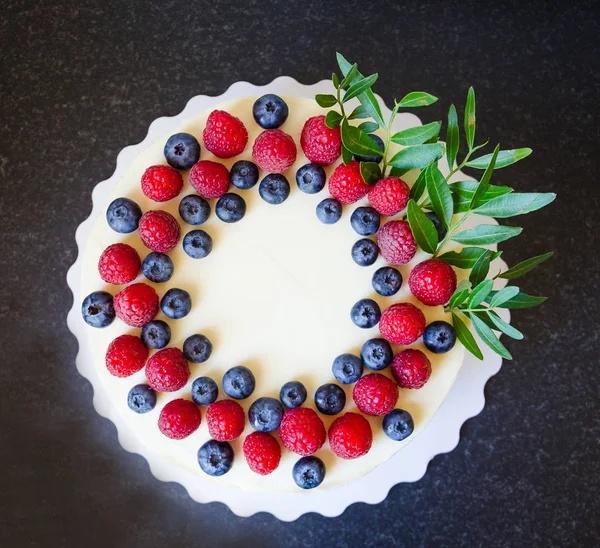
[
  {"x": 311, "y": 178},
  {"x": 204, "y": 391},
  {"x": 156, "y": 334},
  {"x": 194, "y": 210},
  {"x": 238, "y": 382},
  {"x": 439, "y": 337},
  {"x": 376, "y": 159},
  {"x": 158, "y": 267},
  {"x": 398, "y": 424},
  {"x": 309, "y": 472},
  {"x": 215, "y": 457},
  {"x": 141, "y": 398},
  {"x": 197, "y": 348},
  {"x": 387, "y": 281},
  {"x": 97, "y": 309},
  {"x": 329, "y": 211},
  {"x": 365, "y": 252},
  {"x": 330, "y": 399},
  {"x": 293, "y": 394},
  {"x": 377, "y": 354},
  {"x": 366, "y": 313},
  {"x": 230, "y": 208},
  {"x": 123, "y": 215},
  {"x": 365, "y": 221},
  {"x": 243, "y": 174},
  {"x": 270, "y": 111},
  {"x": 265, "y": 414},
  {"x": 197, "y": 244},
  {"x": 274, "y": 189},
  {"x": 176, "y": 303},
  {"x": 441, "y": 229},
  {"x": 182, "y": 151},
  {"x": 347, "y": 368}
]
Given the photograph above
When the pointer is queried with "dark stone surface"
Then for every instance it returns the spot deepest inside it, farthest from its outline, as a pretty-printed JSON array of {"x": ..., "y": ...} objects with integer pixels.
[{"x": 79, "y": 81}]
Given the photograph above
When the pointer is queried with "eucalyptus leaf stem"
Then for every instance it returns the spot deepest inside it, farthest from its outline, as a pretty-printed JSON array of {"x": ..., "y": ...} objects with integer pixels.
[
  {"x": 451, "y": 231},
  {"x": 460, "y": 166}
]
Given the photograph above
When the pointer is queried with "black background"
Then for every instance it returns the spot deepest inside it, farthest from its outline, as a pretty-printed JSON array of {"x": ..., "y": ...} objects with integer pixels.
[{"x": 79, "y": 81}]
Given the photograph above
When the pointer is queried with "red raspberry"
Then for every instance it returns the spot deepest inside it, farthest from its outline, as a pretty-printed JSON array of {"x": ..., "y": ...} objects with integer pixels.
[
  {"x": 389, "y": 196},
  {"x": 161, "y": 183},
  {"x": 274, "y": 151},
  {"x": 119, "y": 264},
  {"x": 136, "y": 305},
  {"x": 159, "y": 231},
  {"x": 320, "y": 144},
  {"x": 411, "y": 368},
  {"x": 179, "y": 418},
  {"x": 262, "y": 452},
  {"x": 432, "y": 282},
  {"x": 375, "y": 394},
  {"x": 126, "y": 355},
  {"x": 302, "y": 431},
  {"x": 224, "y": 135},
  {"x": 350, "y": 436},
  {"x": 346, "y": 183},
  {"x": 167, "y": 370},
  {"x": 402, "y": 323},
  {"x": 210, "y": 179},
  {"x": 226, "y": 420},
  {"x": 396, "y": 242}
]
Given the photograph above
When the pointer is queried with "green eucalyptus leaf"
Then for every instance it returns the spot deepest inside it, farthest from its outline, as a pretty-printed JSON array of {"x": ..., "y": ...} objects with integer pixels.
[
  {"x": 359, "y": 87},
  {"x": 505, "y": 158},
  {"x": 346, "y": 155},
  {"x": 358, "y": 142},
  {"x": 422, "y": 228},
  {"x": 524, "y": 267},
  {"x": 439, "y": 194},
  {"x": 359, "y": 112},
  {"x": 460, "y": 294},
  {"x": 503, "y": 326},
  {"x": 463, "y": 192},
  {"x": 417, "y": 99},
  {"x": 505, "y": 294},
  {"x": 481, "y": 268},
  {"x": 351, "y": 75},
  {"x": 452, "y": 137},
  {"x": 335, "y": 80},
  {"x": 480, "y": 293},
  {"x": 370, "y": 171},
  {"x": 325, "y": 101},
  {"x": 333, "y": 119},
  {"x": 470, "y": 118},
  {"x": 368, "y": 127},
  {"x": 397, "y": 172},
  {"x": 486, "y": 234},
  {"x": 489, "y": 338},
  {"x": 417, "y": 135},
  {"x": 418, "y": 187},
  {"x": 519, "y": 301},
  {"x": 464, "y": 336},
  {"x": 466, "y": 259},
  {"x": 482, "y": 316},
  {"x": 484, "y": 184},
  {"x": 515, "y": 203},
  {"x": 416, "y": 157}
]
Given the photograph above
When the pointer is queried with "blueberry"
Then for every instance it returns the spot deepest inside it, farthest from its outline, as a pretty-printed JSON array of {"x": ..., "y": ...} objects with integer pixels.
[
  {"x": 375, "y": 159},
  {"x": 197, "y": 348},
  {"x": 365, "y": 252},
  {"x": 176, "y": 303},
  {"x": 123, "y": 215},
  {"x": 330, "y": 399},
  {"x": 156, "y": 334},
  {"x": 197, "y": 244},
  {"x": 230, "y": 208},
  {"x": 97, "y": 309},
  {"x": 398, "y": 424},
  {"x": 265, "y": 414},
  {"x": 387, "y": 281},
  {"x": 215, "y": 457},
  {"x": 377, "y": 354},
  {"x": 293, "y": 394},
  {"x": 439, "y": 337},
  {"x": 243, "y": 174},
  {"x": 182, "y": 151},
  {"x": 238, "y": 382},
  {"x": 441, "y": 229},
  {"x": 365, "y": 221},
  {"x": 347, "y": 368},
  {"x": 141, "y": 398},
  {"x": 311, "y": 178},
  {"x": 158, "y": 267},
  {"x": 329, "y": 211},
  {"x": 274, "y": 189},
  {"x": 270, "y": 111},
  {"x": 194, "y": 210},
  {"x": 204, "y": 391},
  {"x": 366, "y": 313},
  {"x": 309, "y": 472}
]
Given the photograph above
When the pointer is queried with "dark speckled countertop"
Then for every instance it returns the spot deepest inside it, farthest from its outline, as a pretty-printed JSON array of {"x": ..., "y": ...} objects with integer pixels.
[{"x": 80, "y": 80}]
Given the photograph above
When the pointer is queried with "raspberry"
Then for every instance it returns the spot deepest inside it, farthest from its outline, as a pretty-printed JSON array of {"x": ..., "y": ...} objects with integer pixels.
[
  {"x": 411, "y": 368},
  {"x": 126, "y": 355},
  {"x": 321, "y": 145},
  {"x": 161, "y": 183},
  {"x": 119, "y": 264},
  {"x": 402, "y": 323},
  {"x": 350, "y": 436},
  {"x": 389, "y": 196},
  {"x": 210, "y": 179},
  {"x": 224, "y": 135},
  {"x": 302, "y": 431},
  {"x": 167, "y": 370},
  {"x": 262, "y": 452},
  {"x": 432, "y": 282},
  {"x": 346, "y": 183},
  {"x": 179, "y": 418},
  {"x": 396, "y": 242},
  {"x": 159, "y": 231},
  {"x": 375, "y": 394},
  {"x": 136, "y": 305},
  {"x": 226, "y": 420},
  {"x": 274, "y": 151}
]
